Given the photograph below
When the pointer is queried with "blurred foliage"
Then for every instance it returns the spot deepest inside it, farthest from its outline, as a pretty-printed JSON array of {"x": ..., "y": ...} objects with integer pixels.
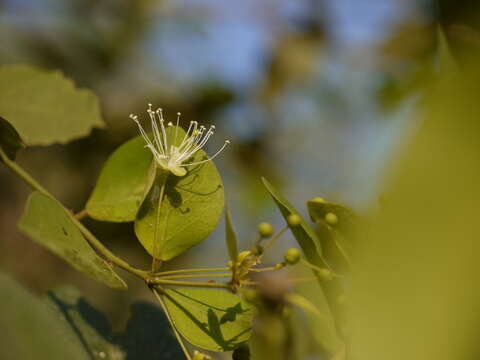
[
  {"x": 415, "y": 260},
  {"x": 418, "y": 259}
]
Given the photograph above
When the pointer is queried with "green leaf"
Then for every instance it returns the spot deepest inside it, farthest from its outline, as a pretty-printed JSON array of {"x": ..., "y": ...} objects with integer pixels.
[
  {"x": 210, "y": 319},
  {"x": 190, "y": 209},
  {"x": 418, "y": 263},
  {"x": 45, "y": 107},
  {"x": 30, "y": 330},
  {"x": 310, "y": 244},
  {"x": 47, "y": 222},
  {"x": 123, "y": 183},
  {"x": 231, "y": 237},
  {"x": 319, "y": 209},
  {"x": 10, "y": 141},
  {"x": 304, "y": 233},
  {"x": 336, "y": 238},
  {"x": 147, "y": 334}
]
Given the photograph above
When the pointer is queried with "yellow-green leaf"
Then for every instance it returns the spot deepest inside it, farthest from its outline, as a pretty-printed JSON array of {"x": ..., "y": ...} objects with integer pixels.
[
  {"x": 45, "y": 107},
  {"x": 46, "y": 222},
  {"x": 190, "y": 209},
  {"x": 214, "y": 320},
  {"x": 123, "y": 183}
]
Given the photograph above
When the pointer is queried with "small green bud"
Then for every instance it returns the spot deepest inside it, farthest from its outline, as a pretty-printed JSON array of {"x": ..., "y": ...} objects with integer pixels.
[
  {"x": 292, "y": 256},
  {"x": 318, "y": 200},
  {"x": 279, "y": 266},
  {"x": 257, "y": 250},
  {"x": 331, "y": 218},
  {"x": 325, "y": 274},
  {"x": 250, "y": 295},
  {"x": 230, "y": 264},
  {"x": 293, "y": 220},
  {"x": 199, "y": 356},
  {"x": 265, "y": 229}
]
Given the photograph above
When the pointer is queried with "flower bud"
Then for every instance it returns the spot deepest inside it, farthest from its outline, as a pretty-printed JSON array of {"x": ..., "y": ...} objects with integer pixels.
[
  {"x": 265, "y": 229},
  {"x": 293, "y": 220},
  {"x": 331, "y": 218},
  {"x": 318, "y": 200},
  {"x": 325, "y": 274},
  {"x": 292, "y": 256}
]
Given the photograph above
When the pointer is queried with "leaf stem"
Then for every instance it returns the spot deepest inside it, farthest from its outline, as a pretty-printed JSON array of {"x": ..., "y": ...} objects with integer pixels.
[
  {"x": 12, "y": 165},
  {"x": 172, "y": 324},
  {"x": 159, "y": 281},
  {"x": 93, "y": 241},
  {"x": 181, "y": 271},
  {"x": 188, "y": 276},
  {"x": 81, "y": 214},
  {"x": 270, "y": 268},
  {"x": 317, "y": 268},
  {"x": 275, "y": 237},
  {"x": 162, "y": 178},
  {"x": 106, "y": 252},
  {"x": 340, "y": 248}
]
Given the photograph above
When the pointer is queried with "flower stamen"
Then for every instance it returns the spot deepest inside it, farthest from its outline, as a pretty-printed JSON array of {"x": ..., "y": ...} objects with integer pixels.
[{"x": 173, "y": 157}]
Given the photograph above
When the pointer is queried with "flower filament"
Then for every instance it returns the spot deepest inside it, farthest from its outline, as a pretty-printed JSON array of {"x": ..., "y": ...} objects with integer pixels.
[{"x": 167, "y": 153}]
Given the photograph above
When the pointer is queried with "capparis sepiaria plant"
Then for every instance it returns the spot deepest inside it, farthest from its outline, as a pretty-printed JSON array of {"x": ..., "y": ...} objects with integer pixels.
[{"x": 164, "y": 183}]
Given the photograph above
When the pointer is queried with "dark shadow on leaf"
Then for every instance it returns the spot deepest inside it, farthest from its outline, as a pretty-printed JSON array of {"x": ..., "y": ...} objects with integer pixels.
[
  {"x": 231, "y": 313},
  {"x": 213, "y": 328},
  {"x": 146, "y": 336}
]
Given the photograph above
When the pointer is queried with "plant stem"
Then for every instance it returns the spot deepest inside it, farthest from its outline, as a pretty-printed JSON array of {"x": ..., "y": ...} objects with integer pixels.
[
  {"x": 316, "y": 268},
  {"x": 177, "y": 334},
  {"x": 271, "y": 268},
  {"x": 340, "y": 248},
  {"x": 12, "y": 165},
  {"x": 181, "y": 271},
  {"x": 94, "y": 242},
  {"x": 81, "y": 214},
  {"x": 162, "y": 178},
  {"x": 188, "y": 276},
  {"x": 275, "y": 237},
  {"x": 160, "y": 281},
  {"x": 107, "y": 253}
]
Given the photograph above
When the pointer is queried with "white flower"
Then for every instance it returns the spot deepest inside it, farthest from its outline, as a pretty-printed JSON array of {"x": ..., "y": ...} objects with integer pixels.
[{"x": 168, "y": 155}]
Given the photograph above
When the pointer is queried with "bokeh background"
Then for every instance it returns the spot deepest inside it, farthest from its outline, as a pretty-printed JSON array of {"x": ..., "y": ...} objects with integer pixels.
[{"x": 315, "y": 95}]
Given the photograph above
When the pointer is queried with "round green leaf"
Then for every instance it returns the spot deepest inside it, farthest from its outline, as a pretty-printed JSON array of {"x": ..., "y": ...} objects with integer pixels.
[
  {"x": 214, "y": 320},
  {"x": 189, "y": 212},
  {"x": 123, "y": 183},
  {"x": 46, "y": 222},
  {"x": 45, "y": 107}
]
